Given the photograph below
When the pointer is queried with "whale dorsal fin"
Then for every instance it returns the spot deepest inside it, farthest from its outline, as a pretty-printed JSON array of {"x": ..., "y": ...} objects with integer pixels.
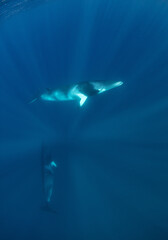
[{"x": 48, "y": 89}]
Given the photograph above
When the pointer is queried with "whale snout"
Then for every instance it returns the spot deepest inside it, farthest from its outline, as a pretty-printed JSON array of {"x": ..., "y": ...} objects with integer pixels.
[
  {"x": 119, "y": 83},
  {"x": 114, "y": 85}
]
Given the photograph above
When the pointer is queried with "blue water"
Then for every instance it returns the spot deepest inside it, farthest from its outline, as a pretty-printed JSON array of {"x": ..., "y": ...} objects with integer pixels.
[{"x": 112, "y": 154}]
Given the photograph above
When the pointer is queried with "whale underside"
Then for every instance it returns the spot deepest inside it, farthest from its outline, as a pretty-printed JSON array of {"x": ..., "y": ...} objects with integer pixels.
[{"x": 79, "y": 91}]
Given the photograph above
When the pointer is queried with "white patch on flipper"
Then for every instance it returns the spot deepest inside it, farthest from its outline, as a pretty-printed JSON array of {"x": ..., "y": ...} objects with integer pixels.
[
  {"x": 82, "y": 98},
  {"x": 53, "y": 164},
  {"x": 82, "y": 101}
]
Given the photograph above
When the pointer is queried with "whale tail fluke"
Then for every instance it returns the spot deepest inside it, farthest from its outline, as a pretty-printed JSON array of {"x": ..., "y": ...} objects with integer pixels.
[
  {"x": 33, "y": 100},
  {"x": 48, "y": 208}
]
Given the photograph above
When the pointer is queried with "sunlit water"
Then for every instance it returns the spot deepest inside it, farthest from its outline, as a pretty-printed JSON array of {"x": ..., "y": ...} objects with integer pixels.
[{"x": 112, "y": 154}]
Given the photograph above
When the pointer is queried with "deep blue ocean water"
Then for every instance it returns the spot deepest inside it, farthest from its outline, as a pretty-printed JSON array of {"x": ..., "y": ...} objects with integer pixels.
[{"x": 112, "y": 153}]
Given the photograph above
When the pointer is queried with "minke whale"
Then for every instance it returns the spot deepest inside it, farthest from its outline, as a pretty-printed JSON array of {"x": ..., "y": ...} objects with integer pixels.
[
  {"x": 49, "y": 180},
  {"x": 78, "y": 92},
  {"x": 48, "y": 167}
]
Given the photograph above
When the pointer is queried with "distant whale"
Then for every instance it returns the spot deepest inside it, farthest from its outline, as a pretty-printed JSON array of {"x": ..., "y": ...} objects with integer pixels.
[{"x": 79, "y": 91}]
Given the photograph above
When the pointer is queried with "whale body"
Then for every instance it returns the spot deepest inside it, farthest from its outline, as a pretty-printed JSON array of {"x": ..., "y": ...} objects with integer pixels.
[{"x": 79, "y": 91}]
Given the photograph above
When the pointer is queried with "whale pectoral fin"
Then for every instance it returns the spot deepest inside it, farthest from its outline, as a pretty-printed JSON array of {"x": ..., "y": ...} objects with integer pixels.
[{"x": 82, "y": 99}]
